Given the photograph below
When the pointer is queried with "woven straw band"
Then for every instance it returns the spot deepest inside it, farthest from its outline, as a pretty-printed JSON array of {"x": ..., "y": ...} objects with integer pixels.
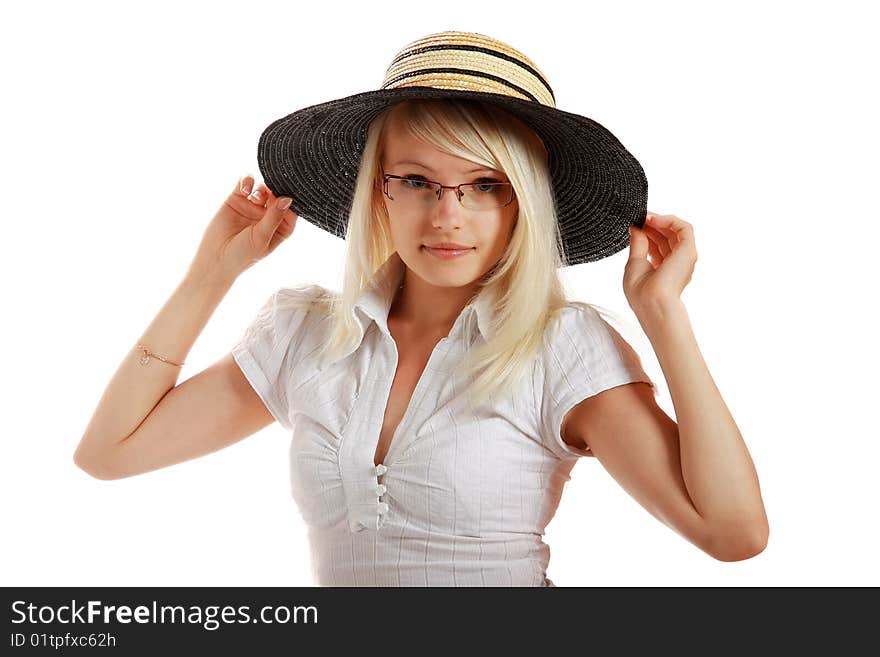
[{"x": 468, "y": 62}]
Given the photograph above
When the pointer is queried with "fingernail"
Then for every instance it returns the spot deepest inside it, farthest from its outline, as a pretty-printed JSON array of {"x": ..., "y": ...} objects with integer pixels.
[
  {"x": 255, "y": 194},
  {"x": 283, "y": 203}
]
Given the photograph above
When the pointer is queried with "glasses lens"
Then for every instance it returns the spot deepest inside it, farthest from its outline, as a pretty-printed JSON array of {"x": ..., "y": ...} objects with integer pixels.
[
  {"x": 415, "y": 194},
  {"x": 486, "y": 196},
  {"x": 412, "y": 193}
]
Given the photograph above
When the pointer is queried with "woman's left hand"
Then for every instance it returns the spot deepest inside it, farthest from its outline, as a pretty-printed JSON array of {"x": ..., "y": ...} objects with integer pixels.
[{"x": 661, "y": 262}]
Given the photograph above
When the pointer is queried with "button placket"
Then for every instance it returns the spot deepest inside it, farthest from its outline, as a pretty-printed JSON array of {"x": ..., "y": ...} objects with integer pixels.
[{"x": 380, "y": 490}]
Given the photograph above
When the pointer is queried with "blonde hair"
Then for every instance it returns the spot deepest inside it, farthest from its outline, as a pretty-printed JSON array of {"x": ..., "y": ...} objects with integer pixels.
[{"x": 523, "y": 289}]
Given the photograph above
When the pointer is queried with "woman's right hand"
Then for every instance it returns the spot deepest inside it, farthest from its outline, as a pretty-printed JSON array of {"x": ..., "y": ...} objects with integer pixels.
[{"x": 247, "y": 227}]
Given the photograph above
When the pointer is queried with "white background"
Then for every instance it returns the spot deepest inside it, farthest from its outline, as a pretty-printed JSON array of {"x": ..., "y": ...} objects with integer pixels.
[{"x": 125, "y": 126}]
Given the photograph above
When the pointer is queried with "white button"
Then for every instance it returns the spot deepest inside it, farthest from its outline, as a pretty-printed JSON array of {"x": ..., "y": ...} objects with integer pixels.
[
  {"x": 381, "y": 489},
  {"x": 383, "y": 508},
  {"x": 355, "y": 526},
  {"x": 381, "y": 469}
]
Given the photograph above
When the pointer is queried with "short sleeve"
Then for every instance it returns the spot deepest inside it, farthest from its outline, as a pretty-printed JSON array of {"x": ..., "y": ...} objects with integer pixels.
[
  {"x": 583, "y": 356},
  {"x": 268, "y": 352}
]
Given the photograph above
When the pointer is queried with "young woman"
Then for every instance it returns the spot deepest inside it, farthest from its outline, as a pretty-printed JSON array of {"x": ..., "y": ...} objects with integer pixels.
[{"x": 439, "y": 402}]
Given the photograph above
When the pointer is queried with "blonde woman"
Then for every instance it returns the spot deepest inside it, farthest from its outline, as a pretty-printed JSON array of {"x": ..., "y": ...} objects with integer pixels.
[{"x": 438, "y": 403}]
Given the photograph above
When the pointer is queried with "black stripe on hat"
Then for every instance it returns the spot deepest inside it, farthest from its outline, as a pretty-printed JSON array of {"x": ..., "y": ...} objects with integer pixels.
[
  {"x": 462, "y": 71},
  {"x": 488, "y": 51}
]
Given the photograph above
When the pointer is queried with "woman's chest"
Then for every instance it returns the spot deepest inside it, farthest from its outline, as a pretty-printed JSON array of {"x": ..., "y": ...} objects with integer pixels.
[
  {"x": 386, "y": 398},
  {"x": 440, "y": 456},
  {"x": 411, "y": 363}
]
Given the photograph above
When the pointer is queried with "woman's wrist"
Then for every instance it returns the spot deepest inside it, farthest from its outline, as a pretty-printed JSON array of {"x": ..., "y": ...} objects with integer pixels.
[{"x": 202, "y": 278}]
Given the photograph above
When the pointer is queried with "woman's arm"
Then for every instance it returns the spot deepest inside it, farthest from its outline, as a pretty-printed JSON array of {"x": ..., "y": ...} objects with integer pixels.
[
  {"x": 135, "y": 389},
  {"x": 695, "y": 476},
  {"x": 247, "y": 227},
  {"x": 715, "y": 463},
  {"x": 715, "y": 466}
]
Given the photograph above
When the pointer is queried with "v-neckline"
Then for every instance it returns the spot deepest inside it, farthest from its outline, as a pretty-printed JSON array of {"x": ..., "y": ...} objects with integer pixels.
[{"x": 420, "y": 383}]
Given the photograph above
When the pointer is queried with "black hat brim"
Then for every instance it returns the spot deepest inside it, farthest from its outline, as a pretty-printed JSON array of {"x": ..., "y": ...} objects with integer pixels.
[{"x": 313, "y": 156}]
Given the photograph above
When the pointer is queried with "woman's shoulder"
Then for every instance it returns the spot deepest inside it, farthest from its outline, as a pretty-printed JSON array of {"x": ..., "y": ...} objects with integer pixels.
[
  {"x": 574, "y": 313},
  {"x": 583, "y": 325},
  {"x": 295, "y": 309},
  {"x": 303, "y": 293},
  {"x": 310, "y": 298}
]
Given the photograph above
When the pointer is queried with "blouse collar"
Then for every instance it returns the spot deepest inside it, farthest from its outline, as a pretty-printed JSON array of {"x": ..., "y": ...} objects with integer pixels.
[{"x": 376, "y": 298}]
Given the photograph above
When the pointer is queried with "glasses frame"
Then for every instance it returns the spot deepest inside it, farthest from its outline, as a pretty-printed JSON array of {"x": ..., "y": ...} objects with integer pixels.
[{"x": 458, "y": 193}]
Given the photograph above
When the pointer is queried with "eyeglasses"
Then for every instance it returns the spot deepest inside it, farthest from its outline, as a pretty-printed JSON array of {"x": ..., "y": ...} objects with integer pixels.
[{"x": 415, "y": 193}]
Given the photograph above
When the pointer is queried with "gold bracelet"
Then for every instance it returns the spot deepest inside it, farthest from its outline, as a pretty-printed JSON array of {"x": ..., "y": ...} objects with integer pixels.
[{"x": 145, "y": 359}]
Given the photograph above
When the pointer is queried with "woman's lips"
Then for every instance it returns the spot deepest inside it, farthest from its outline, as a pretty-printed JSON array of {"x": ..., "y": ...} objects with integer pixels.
[{"x": 448, "y": 254}]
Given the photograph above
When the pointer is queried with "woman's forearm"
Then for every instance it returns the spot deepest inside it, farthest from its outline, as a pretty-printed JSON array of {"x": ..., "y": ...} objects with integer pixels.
[
  {"x": 136, "y": 389},
  {"x": 716, "y": 466}
]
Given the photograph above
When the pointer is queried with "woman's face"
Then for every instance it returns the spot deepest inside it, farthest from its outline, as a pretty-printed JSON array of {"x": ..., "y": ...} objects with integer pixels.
[{"x": 487, "y": 232}]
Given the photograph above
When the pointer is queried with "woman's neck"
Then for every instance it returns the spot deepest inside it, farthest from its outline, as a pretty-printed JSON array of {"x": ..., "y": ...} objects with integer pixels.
[{"x": 427, "y": 309}]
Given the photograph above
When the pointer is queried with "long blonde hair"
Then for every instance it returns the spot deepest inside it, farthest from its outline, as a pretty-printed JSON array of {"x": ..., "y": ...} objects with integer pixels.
[{"x": 523, "y": 289}]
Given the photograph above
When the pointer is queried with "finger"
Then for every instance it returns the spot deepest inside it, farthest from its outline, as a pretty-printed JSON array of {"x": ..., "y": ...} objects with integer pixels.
[
  {"x": 670, "y": 225},
  {"x": 651, "y": 221},
  {"x": 638, "y": 245},
  {"x": 260, "y": 196},
  {"x": 666, "y": 219},
  {"x": 284, "y": 230},
  {"x": 265, "y": 229},
  {"x": 288, "y": 223},
  {"x": 684, "y": 251},
  {"x": 658, "y": 239},
  {"x": 666, "y": 241},
  {"x": 245, "y": 184},
  {"x": 654, "y": 256}
]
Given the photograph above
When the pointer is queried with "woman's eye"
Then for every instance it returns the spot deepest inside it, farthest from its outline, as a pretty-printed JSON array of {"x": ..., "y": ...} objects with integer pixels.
[
  {"x": 488, "y": 186},
  {"x": 413, "y": 182}
]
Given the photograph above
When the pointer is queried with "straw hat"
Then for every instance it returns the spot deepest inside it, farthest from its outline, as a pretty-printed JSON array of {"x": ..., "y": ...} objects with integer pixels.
[{"x": 600, "y": 189}]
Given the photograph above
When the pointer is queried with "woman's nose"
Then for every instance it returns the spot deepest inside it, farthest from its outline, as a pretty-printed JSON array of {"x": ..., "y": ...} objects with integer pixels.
[{"x": 449, "y": 209}]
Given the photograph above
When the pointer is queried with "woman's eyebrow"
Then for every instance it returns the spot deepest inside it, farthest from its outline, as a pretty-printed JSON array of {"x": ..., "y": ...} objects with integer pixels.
[{"x": 419, "y": 164}]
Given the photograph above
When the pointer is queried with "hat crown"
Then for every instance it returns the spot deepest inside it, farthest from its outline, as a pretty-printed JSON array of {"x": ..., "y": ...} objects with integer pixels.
[{"x": 467, "y": 61}]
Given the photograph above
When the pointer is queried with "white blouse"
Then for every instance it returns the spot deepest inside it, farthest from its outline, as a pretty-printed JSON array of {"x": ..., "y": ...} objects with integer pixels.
[{"x": 463, "y": 495}]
